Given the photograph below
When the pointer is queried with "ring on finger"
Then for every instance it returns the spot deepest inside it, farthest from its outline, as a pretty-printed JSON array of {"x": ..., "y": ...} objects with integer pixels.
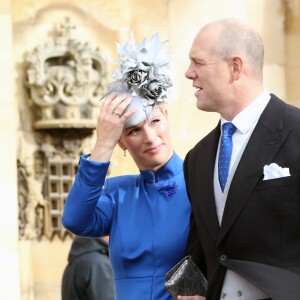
[{"x": 116, "y": 113}]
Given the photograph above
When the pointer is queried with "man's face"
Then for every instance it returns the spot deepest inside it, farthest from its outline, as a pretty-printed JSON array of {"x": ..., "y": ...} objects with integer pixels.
[{"x": 210, "y": 75}]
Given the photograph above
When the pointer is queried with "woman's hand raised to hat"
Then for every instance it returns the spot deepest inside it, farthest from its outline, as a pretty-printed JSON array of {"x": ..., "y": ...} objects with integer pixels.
[{"x": 110, "y": 124}]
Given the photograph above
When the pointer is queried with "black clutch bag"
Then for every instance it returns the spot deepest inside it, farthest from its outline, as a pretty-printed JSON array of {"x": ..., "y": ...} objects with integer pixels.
[{"x": 185, "y": 279}]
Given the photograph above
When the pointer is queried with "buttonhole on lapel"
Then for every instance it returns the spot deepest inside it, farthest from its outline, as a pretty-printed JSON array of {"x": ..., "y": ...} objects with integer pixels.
[{"x": 273, "y": 142}]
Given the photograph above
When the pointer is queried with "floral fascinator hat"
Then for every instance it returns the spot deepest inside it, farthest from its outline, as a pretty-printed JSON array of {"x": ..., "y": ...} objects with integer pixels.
[{"x": 143, "y": 73}]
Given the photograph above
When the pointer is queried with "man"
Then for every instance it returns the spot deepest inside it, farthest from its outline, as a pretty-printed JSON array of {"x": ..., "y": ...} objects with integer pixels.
[
  {"x": 88, "y": 275},
  {"x": 245, "y": 226}
]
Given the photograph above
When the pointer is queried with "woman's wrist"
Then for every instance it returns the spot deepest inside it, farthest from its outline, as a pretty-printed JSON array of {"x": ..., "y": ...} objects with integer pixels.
[{"x": 100, "y": 155}]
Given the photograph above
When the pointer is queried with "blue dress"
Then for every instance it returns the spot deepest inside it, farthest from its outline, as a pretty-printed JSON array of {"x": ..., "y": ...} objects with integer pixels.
[{"x": 146, "y": 217}]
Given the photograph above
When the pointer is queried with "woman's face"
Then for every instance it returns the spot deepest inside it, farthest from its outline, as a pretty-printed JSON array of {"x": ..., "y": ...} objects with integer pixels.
[{"x": 149, "y": 142}]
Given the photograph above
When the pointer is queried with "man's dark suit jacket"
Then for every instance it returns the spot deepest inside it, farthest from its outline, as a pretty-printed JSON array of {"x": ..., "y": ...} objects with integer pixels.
[{"x": 259, "y": 237}]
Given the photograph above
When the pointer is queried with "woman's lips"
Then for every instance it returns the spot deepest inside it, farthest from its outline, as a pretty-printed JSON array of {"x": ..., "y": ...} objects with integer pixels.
[{"x": 154, "y": 149}]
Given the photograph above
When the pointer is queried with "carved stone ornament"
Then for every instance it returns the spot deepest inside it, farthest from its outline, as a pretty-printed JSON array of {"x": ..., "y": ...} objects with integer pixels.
[
  {"x": 32, "y": 205},
  {"x": 66, "y": 80}
]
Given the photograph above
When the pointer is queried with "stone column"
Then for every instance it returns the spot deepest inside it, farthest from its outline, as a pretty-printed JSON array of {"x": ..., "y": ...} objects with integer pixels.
[
  {"x": 9, "y": 262},
  {"x": 292, "y": 27}
]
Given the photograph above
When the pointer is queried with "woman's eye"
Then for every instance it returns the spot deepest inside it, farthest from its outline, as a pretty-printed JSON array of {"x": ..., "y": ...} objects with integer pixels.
[
  {"x": 155, "y": 121},
  {"x": 133, "y": 131}
]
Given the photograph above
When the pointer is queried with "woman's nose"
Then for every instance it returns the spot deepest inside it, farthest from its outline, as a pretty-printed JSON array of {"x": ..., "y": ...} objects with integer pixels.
[{"x": 149, "y": 135}]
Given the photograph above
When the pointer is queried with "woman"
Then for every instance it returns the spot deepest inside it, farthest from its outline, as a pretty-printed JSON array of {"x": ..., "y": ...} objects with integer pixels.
[{"x": 145, "y": 215}]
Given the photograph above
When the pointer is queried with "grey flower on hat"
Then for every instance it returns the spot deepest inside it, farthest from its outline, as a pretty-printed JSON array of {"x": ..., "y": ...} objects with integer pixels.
[{"x": 144, "y": 70}]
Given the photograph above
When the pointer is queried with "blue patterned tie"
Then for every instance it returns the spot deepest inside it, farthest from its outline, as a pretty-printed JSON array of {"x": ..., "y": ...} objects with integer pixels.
[{"x": 225, "y": 152}]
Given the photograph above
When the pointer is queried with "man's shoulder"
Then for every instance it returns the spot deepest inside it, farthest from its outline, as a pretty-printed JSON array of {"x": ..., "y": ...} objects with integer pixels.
[
  {"x": 291, "y": 113},
  {"x": 292, "y": 108},
  {"x": 206, "y": 147},
  {"x": 208, "y": 140},
  {"x": 279, "y": 112}
]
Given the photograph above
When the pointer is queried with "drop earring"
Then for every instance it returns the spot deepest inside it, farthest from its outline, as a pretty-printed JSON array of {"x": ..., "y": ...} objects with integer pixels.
[{"x": 124, "y": 153}]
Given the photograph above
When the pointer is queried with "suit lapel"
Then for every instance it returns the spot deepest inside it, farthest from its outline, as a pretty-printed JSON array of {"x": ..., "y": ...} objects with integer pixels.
[
  {"x": 206, "y": 203},
  {"x": 263, "y": 144}
]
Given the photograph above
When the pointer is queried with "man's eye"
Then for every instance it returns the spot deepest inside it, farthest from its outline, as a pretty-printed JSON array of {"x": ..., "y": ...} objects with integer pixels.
[{"x": 200, "y": 63}]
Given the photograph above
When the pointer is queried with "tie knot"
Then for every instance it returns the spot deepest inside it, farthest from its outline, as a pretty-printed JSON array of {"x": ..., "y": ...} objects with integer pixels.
[{"x": 228, "y": 129}]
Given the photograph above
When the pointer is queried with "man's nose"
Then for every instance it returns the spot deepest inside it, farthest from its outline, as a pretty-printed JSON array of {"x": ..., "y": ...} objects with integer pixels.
[{"x": 190, "y": 73}]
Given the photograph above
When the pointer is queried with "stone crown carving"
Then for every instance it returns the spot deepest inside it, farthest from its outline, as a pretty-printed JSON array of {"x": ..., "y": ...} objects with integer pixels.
[{"x": 66, "y": 79}]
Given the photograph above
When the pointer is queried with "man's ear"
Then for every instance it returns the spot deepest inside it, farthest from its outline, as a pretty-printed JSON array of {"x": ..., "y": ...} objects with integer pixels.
[{"x": 236, "y": 67}]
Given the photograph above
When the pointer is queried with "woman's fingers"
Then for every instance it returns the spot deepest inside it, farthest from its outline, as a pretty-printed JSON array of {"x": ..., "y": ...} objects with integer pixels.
[
  {"x": 119, "y": 104},
  {"x": 115, "y": 106},
  {"x": 115, "y": 103},
  {"x": 106, "y": 106}
]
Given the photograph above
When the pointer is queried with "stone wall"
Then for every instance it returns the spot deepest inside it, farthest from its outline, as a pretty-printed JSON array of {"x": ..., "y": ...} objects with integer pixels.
[
  {"x": 32, "y": 265},
  {"x": 292, "y": 55},
  {"x": 9, "y": 264}
]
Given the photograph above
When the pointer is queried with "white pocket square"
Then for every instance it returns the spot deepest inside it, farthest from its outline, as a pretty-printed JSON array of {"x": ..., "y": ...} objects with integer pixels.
[{"x": 273, "y": 171}]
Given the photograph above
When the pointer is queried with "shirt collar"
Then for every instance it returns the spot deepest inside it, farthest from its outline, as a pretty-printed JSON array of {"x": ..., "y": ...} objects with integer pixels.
[{"x": 250, "y": 115}]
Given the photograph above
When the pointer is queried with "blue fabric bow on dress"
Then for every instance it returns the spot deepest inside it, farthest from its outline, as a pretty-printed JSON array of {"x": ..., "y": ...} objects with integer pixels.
[{"x": 167, "y": 190}]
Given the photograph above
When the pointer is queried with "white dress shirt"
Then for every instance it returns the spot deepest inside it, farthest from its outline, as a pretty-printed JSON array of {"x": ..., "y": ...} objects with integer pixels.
[{"x": 235, "y": 287}]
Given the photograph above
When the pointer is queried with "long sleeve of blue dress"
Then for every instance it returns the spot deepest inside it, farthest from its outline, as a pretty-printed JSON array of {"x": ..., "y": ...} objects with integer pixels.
[
  {"x": 145, "y": 215},
  {"x": 81, "y": 213}
]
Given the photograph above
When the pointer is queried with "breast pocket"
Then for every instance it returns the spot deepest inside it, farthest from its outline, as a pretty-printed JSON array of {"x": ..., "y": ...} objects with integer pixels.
[{"x": 281, "y": 182}]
